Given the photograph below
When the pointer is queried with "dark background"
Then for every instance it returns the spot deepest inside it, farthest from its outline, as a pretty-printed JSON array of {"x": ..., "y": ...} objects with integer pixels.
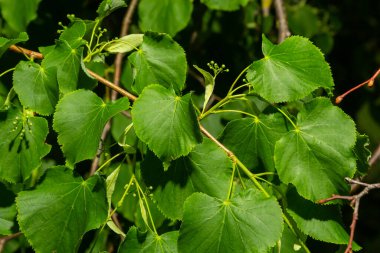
[{"x": 348, "y": 32}]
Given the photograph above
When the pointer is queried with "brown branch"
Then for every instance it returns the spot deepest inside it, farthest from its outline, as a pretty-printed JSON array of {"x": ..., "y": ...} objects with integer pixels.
[
  {"x": 283, "y": 29},
  {"x": 33, "y": 54},
  {"x": 5, "y": 239},
  {"x": 370, "y": 82},
  {"x": 119, "y": 57},
  {"x": 354, "y": 202},
  {"x": 116, "y": 81}
]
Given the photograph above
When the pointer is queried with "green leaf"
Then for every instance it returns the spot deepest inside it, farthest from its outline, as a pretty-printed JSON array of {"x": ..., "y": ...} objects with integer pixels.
[
  {"x": 18, "y": 14},
  {"x": 318, "y": 155},
  {"x": 73, "y": 35},
  {"x": 137, "y": 242},
  {"x": 7, "y": 215},
  {"x": 23, "y": 141},
  {"x": 55, "y": 216},
  {"x": 252, "y": 139},
  {"x": 6, "y": 43},
  {"x": 160, "y": 60},
  {"x": 166, "y": 16},
  {"x": 249, "y": 222},
  {"x": 36, "y": 86},
  {"x": 67, "y": 60},
  {"x": 209, "y": 85},
  {"x": 165, "y": 122},
  {"x": 362, "y": 153},
  {"x": 225, "y": 5},
  {"x": 79, "y": 121},
  {"x": 111, "y": 182},
  {"x": 321, "y": 222},
  {"x": 125, "y": 44},
  {"x": 106, "y": 7},
  {"x": 290, "y": 70},
  {"x": 187, "y": 175}
]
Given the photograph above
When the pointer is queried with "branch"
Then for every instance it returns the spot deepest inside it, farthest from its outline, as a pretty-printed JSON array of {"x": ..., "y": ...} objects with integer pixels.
[
  {"x": 5, "y": 239},
  {"x": 283, "y": 29},
  {"x": 354, "y": 202},
  {"x": 370, "y": 82},
  {"x": 119, "y": 57},
  {"x": 32, "y": 54}
]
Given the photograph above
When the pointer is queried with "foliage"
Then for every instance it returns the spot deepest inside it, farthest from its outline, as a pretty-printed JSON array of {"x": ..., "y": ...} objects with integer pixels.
[{"x": 253, "y": 188}]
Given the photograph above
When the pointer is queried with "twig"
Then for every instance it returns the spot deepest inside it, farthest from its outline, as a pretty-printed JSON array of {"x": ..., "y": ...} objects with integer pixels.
[
  {"x": 5, "y": 239},
  {"x": 354, "y": 202},
  {"x": 95, "y": 162},
  {"x": 119, "y": 57},
  {"x": 375, "y": 156},
  {"x": 21, "y": 50},
  {"x": 116, "y": 81},
  {"x": 283, "y": 29},
  {"x": 370, "y": 82}
]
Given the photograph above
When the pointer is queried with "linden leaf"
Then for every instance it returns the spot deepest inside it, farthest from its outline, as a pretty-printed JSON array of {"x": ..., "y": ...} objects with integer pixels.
[
  {"x": 290, "y": 70},
  {"x": 186, "y": 175},
  {"x": 22, "y": 144},
  {"x": 165, "y": 122},
  {"x": 166, "y": 16},
  {"x": 249, "y": 222},
  {"x": 137, "y": 242},
  {"x": 36, "y": 86},
  {"x": 64, "y": 208},
  {"x": 160, "y": 60},
  {"x": 317, "y": 156},
  {"x": 79, "y": 120}
]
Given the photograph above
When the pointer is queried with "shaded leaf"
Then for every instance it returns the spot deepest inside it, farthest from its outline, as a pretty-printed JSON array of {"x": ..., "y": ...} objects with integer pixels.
[
  {"x": 317, "y": 156},
  {"x": 7, "y": 215},
  {"x": 253, "y": 139},
  {"x": 79, "y": 120},
  {"x": 137, "y": 242},
  {"x": 362, "y": 153},
  {"x": 321, "y": 222},
  {"x": 290, "y": 70},
  {"x": 206, "y": 169},
  {"x": 224, "y": 5},
  {"x": 6, "y": 43},
  {"x": 106, "y": 7},
  {"x": 213, "y": 225},
  {"x": 22, "y": 139},
  {"x": 67, "y": 61},
  {"x": 18, "y": 14},
  {"x": 165, "y": 122},
  {"x": 166, "y": 16},
  {"x": 63, "y": 206},
  {"x": 160, "y": 60}
]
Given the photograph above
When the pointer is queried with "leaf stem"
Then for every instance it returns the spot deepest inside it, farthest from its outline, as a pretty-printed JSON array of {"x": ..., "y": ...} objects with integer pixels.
[
  {"x": 287, "y": 117},
  {"x": 7, "y": 71},
  {"x": 237, "y": 111},
  {"x": 109, "y": 160},
  {"x": 237, "y": 79},
  {"x": 147, "y": 206},
  {"x": 252, "y": 177},
  {"x": 229, "y": 194}
]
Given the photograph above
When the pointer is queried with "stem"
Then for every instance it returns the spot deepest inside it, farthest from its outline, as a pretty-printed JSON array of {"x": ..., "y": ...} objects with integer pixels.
[
  {"x": 7, "y": 71},
  {"x": 283, "y": 30},
  {"x": 237, "y": 111},
  {"x": 252, "y": 177},
  {"x": 147, "y": 206},
  {"x": 229, "y": 194},
  {"x": 287, "y": 117},
  {"x": 237, "y": 79},
  {"x": 109, "y": 160}
]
